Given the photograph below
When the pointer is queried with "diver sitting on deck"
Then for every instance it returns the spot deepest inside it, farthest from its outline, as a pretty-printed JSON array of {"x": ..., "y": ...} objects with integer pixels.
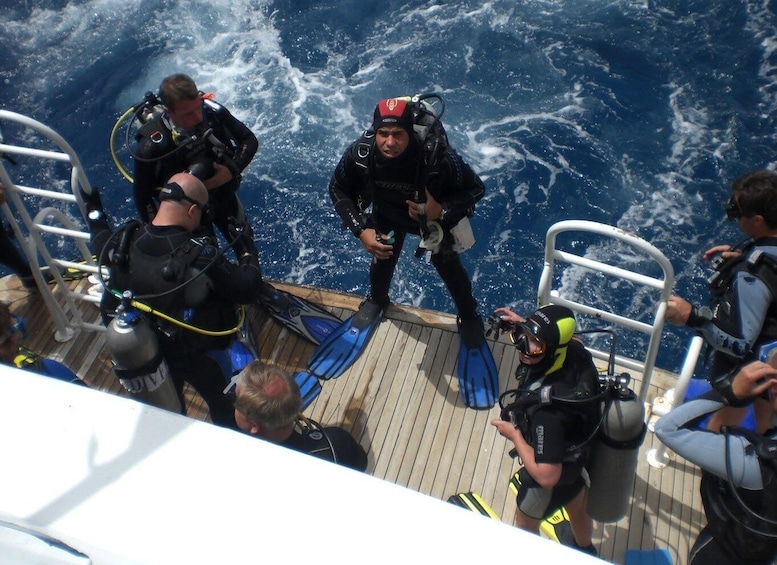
[
  {"x": 175, "y": 266},
  {"x": 739, "y": 471},
  {"x": 550, "y": 437},
  {"x": 267, "y": 405}
]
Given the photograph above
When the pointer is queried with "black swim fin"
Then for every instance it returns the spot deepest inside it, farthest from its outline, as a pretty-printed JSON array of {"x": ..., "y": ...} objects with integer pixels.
[
  {"x": 302, "y": 317},
  {"x": 477, "y": 372},
  {"x": 345, "y": 343},
  {"x": 473, "y": 501}
]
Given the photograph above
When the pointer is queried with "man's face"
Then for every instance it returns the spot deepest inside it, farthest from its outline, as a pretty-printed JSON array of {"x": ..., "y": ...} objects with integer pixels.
[
  {"x": 530, "y": 349},
  {"x": 391, "y": 141},
  {"x": 187, "y": 114}
]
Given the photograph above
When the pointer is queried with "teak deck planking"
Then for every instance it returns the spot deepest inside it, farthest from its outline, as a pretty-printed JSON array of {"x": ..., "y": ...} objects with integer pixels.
[{"x": 401, "y": 401}]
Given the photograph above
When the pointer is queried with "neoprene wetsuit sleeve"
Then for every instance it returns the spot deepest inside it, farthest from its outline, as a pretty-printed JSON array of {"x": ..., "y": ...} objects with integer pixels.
[
  {"x": 143, "y": 184},
  {"x": 344, "y": 188},
  {"x": 705, "y": 448},
  {"x": 245, "y": 140},
  {"x": 457, "y": 187}
]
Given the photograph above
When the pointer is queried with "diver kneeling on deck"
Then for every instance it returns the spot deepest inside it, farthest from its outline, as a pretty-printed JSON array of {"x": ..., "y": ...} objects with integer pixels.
[
  {"x": 739, "y": 471},
  {"x": 550, "y": 436},
  {"x": 267, "y": 405},
  {"x": 175, "y": 267}
]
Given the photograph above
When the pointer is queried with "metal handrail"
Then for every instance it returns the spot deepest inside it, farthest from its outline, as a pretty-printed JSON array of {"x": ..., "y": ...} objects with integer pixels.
[
  {"x": 64, "y": 312},
  {"x": 547, "y": 294}
]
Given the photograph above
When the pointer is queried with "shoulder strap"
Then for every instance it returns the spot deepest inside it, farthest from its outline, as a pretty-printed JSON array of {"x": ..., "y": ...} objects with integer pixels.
[{"x": 126, "y": 235}]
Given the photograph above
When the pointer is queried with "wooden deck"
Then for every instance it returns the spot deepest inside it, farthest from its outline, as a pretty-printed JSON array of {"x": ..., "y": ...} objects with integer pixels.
[{"x": 401, "y": 401}]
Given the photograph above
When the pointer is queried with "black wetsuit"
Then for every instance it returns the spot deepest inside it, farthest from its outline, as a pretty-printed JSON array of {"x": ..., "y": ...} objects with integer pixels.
[
  {"x": 554, "y": 430},
  {"x": 168, "y": 155},
  {"x": 209, "y": 302},
  {"x": 363, "y": 176},
  {"x": 722, "y": 541},
  {"x": 343, "y": 449}
]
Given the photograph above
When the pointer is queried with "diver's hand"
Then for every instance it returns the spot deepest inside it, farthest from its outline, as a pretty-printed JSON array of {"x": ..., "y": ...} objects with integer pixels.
[
  {"x": 753, "y": 379},
  {"x": 222, "y": 176},
  {"x": 431, "y": 208},
  {"x": 507, "y": 430},
  {"x": 678, "y": 310},
  {"x": 508, "y": 315},
  {"x": 374, "y": 246},
  {"x": 724, "y": 251}
]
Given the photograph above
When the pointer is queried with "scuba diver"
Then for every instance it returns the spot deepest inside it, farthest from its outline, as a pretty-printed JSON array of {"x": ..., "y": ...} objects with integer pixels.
[
  {"x": 739, "y": 471},
  {"x": 550, "y": 418},
  {"x": 267, "y": 404},
  {"x": 415, "y": 183},
  {"x": 189, "y": 132},
  {"x": 187, "y": 289},
  {"x": 742, "y": 314},
  {"x": 196, "y": 134}
]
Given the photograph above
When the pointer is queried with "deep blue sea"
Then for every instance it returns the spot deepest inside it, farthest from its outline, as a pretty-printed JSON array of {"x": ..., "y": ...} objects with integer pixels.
[{"x": 635, "y": 113}]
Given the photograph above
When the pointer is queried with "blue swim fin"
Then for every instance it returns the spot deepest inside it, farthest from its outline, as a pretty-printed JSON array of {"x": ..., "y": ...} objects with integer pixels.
[
  {"x": 309, "y": 388},
  {"x": 477, "y": 372},
  {"x": 302, "y": 317},
  {"x": 240, "y": 355},
  {"x": 344, "y": 345}
]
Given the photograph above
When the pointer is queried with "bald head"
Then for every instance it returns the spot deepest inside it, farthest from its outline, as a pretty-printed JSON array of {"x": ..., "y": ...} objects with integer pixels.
[
  {"x": 181, "y": 201},
  {"x": 192, "y": 187}
]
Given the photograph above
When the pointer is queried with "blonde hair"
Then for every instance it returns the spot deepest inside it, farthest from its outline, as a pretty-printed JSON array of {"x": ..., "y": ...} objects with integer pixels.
[{"x": 269, "y": 396}]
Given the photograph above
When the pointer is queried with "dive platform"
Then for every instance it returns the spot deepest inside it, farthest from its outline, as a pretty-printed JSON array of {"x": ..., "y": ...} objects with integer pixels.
[{"x": 401, "y": 401}]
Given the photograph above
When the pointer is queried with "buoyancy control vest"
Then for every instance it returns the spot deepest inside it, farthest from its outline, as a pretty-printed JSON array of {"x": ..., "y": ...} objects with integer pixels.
[
  {"x": 571, "y": 392},
  {"x": 174, "y": 286},
  {"x": 741, "y": 534},
  {"x": 761, "y": 265},
  {"x": 159, "y": 141}
]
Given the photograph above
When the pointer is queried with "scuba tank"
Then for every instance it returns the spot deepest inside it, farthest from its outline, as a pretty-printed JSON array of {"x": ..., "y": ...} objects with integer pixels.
[
  {"x": 137, "y": 358},
  {"x": 614, "y": 451}
]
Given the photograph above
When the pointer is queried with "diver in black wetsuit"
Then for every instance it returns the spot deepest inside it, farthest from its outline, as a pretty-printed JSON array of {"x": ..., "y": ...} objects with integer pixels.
[
  {"x": 738, "y": 532},
  {"x": 392, "y": 169},
  {"x": 198, "y": 135},
  {"x": 267, "y": 405},
  {"x": 160, "y": 263},
  {"x": 550, "y": 436},
  {"x": 742, "y": 314}
]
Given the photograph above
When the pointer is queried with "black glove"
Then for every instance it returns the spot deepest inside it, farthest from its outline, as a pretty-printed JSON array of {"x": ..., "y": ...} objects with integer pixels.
[
  {"x": 202, "y": 169},
  {"x": 240, "y": 236},
  {"x": 93, "y": 203}
]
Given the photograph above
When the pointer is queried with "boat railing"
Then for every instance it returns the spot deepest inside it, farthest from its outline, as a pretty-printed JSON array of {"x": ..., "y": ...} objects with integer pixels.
[
  {"x": 29, "y": 227},
  {"x": 556, "y": 259}
]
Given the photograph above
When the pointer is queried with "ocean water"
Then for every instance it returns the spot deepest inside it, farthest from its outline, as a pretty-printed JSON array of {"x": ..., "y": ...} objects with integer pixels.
[{"x": 638, "y": 114}]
